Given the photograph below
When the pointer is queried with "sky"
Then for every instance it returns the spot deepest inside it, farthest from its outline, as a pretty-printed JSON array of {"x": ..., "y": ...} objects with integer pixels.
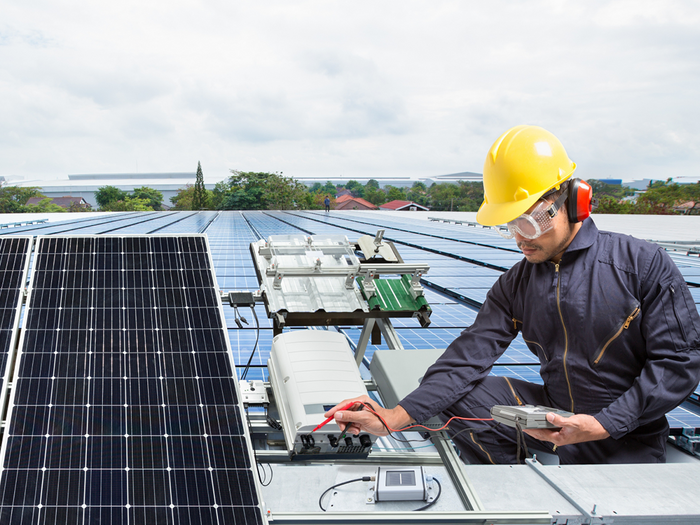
[{"x": 377, "y": 88}]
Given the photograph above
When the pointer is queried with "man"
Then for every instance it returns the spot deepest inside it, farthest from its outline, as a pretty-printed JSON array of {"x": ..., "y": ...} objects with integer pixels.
[
  {"x": 609, "y": 316},
  {"x": 327, "y": 203}
]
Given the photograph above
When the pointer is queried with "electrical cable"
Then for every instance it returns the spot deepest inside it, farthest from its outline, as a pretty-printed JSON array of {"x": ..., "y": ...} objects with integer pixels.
[
  {"x": 436, "y": 497},
  {"x": 255, "y": 454},
  {"x": 520, "y": 437},
  {"x": 320, "y": 500},
  {"x": 257, "y": 338},
  {"x": 390, "y": 430}
]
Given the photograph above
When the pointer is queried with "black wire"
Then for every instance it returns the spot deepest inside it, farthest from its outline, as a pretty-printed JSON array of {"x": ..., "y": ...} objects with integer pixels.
[
  {"x": 520, "y": 436},
  {"x": 255, "y": 454},
  {"x": 393, "y": 436},
  {"x": 320, "y": 500},
  {"x": 257, "y": 338},
  {"x": 436, "y": 497}
]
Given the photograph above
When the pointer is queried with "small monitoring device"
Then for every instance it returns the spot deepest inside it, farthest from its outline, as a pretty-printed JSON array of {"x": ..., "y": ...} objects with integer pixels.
[
  {"x": 528, "y": 416},
  {"x": 311, "y": 371},
  {"x": 400, "y": 484}
]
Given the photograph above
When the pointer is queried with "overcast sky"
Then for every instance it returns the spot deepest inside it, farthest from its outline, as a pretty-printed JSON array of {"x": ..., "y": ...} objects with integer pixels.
[{"x": 345, "y": 89}]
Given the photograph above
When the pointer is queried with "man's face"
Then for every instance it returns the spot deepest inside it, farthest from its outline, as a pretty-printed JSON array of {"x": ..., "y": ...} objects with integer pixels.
[{"x": 550, "y": 245}]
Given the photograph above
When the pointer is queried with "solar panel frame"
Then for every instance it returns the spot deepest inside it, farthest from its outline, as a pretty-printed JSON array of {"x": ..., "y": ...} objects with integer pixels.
[
  {"x": 11, "y": 325},
  {"x": 125, "y": 467}
]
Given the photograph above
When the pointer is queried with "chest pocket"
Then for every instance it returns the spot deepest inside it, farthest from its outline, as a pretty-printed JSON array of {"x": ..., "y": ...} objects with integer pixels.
[{"x": 630, "y": 316}]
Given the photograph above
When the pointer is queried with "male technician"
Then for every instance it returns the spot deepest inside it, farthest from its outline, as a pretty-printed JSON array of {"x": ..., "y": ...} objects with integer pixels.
[{"x": 609, "y": 317}]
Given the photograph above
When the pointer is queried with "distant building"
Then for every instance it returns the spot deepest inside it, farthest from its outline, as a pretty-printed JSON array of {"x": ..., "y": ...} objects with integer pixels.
[
  {"x": 403, "y": 206},
  {"x": 342, "y": 193},
  {"x": 63, "y": 202},
  {"x": 85, "y": 185},
  {"x": 454, "y": 178},
  {"x": 348, "y": 202}
]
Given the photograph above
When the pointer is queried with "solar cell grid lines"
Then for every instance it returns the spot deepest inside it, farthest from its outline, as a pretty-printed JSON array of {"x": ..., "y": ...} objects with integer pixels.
[{"x": 125, "y": 406}]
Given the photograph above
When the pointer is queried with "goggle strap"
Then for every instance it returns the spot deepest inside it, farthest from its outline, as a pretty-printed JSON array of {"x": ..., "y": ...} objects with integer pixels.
[{"x": 554, "y": 208}]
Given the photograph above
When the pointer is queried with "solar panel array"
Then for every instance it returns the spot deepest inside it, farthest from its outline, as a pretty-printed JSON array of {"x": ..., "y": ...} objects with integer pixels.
[
  {"x": 125, "y": 406},
  {"x": 464, "y": 263}
]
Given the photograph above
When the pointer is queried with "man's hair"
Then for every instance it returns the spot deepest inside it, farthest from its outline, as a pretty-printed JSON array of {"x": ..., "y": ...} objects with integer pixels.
[{"x": 554, "y": 194}]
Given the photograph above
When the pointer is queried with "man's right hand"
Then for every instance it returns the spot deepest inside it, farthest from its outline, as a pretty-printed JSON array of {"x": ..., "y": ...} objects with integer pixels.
[{"x": 358, "y": 419}]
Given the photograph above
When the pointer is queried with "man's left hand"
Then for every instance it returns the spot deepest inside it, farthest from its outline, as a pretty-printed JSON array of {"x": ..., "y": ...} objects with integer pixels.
[{"x": 574, "y": 429}]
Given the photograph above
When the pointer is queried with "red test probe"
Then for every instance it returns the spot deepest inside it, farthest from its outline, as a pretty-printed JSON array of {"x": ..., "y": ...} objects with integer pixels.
[{"x": 346, "y": 407}]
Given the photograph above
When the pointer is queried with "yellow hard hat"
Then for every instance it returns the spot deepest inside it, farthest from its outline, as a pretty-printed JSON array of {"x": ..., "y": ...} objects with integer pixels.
[{"x": 521, "y": 166}]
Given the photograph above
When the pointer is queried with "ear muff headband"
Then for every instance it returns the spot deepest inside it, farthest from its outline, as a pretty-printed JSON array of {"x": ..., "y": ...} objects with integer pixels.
[{"x": 579, "y": 203}]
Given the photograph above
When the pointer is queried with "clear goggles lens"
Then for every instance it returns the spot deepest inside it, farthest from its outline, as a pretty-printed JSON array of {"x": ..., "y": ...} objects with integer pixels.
[{"x": 529, "y": 225}]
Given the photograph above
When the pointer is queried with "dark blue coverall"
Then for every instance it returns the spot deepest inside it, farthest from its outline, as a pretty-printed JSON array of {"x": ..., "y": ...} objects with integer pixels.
[{"x": 617, "y": 335}]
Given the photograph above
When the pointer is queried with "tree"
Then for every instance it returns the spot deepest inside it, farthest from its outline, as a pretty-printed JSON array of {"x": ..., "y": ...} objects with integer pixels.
[
  {"x": 330, "y": 188},
  {"x": 150, "y": 195},
  {"x": 374, "y": 195},
  {"x": 199, "y": 198},
  {"x": 316, "y": 188},
  {"x": 128, "y": 204},
  {"x": 395, "y": 194},
  {"x": 13, "y": 198},
  {"x": 108, "y": 194},
  {"x": 357, "y": 189},
  {"x": 608, "y": 204},
  {"x": 372, "y": 183},
  {"x": 183, "y": 199},
  {"x": 261, "y": 191}
]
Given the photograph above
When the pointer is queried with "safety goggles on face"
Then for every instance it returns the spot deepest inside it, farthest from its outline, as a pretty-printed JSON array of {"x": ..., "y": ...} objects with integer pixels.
[{"x": 538, "y": 222}]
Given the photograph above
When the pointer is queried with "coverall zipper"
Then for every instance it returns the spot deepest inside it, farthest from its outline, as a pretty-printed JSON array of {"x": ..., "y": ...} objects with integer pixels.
[
  {"x": 566, "y": 338},
  {"x": 624, "y": 326}
]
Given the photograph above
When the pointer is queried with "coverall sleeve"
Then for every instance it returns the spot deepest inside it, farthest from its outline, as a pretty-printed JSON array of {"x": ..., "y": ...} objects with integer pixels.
[
  {"x": 468, "y": 359},
  {"x": 670, "y": 325}
]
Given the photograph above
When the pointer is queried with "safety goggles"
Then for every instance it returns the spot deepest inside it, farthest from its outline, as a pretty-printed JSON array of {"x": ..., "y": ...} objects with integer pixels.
[{"x": 532, "y": 225}]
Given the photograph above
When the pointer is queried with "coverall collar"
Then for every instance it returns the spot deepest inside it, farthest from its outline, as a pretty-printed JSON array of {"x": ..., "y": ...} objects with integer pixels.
[{"x": 585, "y": 237}]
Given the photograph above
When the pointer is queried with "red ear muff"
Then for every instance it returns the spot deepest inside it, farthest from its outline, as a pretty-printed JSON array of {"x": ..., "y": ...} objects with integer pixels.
[{"x": 579, "y": 202}]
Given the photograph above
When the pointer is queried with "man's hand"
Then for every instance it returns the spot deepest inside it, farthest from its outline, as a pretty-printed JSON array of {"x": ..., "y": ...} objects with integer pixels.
[
  {"x": 574, "y": 429},
  {"x": 356, "y": 419}
]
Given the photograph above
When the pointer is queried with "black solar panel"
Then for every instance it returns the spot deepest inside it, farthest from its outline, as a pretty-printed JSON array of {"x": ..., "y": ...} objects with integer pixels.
[{"x": 125, "y": 406}]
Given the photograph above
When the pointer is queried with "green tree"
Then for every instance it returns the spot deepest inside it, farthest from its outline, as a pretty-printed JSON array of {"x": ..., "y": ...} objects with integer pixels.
[
  {"x": 316, "y": 188},
  {"x": 183, "y": 199},
  {"x": 128, "y": 204},
  {"x": 260, "y": 191},
  {"x": 443, "y": 197},
  {"x": 372, "y": 183},
  {"x": 108, "y": 194},
  {"x": 329, "y": 188},
  {"x": 13, "y": 198},
  {"x": 418, "y": 193},
  {"x": 199, "y": 198},
  {"x": 609, "y": 204},
  {"x": 616, "y": 191},
  {"x": 151, "y": 195},
  {"x": 395, "y": 194},
  {"x": 374, "y": 195},
  {"x": 357, "y": 189}
]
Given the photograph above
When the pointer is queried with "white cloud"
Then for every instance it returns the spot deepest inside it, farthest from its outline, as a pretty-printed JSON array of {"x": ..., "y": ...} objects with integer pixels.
[{"x": 327, "y": 87}]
